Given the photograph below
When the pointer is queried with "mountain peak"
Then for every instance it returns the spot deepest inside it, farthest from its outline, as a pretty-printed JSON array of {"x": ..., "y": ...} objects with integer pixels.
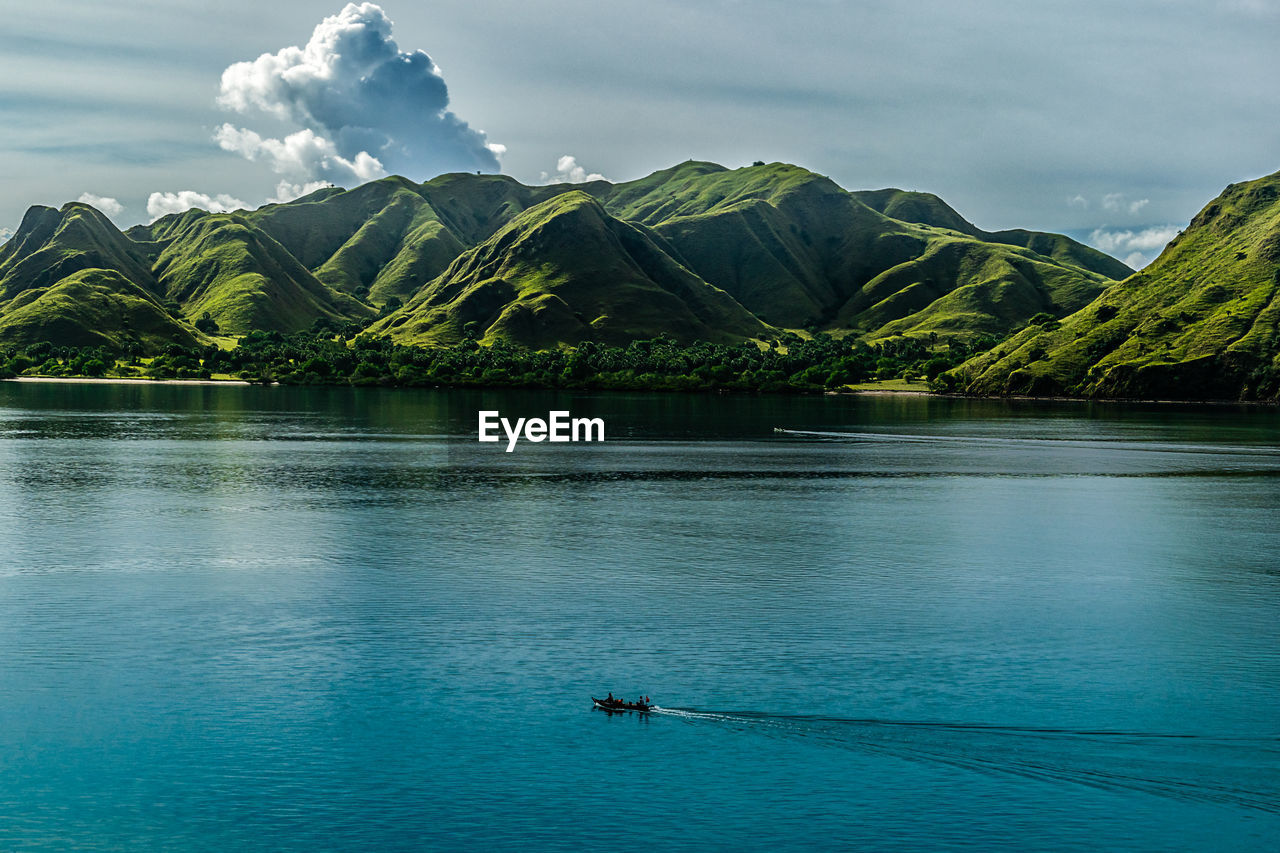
[
  {"x": 697, "y": 251},
  {"x": 1202, "y": 321}
]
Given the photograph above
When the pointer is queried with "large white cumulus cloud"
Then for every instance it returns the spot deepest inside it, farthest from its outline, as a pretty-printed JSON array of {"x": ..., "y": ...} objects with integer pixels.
[{"x": 365, "y": 107}]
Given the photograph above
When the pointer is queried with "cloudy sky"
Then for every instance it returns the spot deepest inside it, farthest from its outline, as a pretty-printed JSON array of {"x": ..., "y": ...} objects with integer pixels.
[{"x": 1112, "y": 121}]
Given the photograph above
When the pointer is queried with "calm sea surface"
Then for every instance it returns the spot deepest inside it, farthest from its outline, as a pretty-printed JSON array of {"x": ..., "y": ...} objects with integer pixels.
[{"x": 320, "y": 619}]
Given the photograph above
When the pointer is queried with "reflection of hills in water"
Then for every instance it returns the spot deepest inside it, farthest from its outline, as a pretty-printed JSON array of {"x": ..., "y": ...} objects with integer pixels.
[{"x": 1238, "y": 772}]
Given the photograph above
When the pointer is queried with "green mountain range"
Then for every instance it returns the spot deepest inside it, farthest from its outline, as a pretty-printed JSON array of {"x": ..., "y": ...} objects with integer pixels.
[
  {"x": 695, "y": 252},
  {"x": 1201, "y": 322},
  {"x": 70, "y": 277}
]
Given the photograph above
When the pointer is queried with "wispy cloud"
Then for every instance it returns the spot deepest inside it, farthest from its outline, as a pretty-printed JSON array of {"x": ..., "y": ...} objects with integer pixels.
[
  {"x": 5, "y": 234},
  {"x": 1117, "y": 202},
  {"x": 162, "y": 204},
  {"x": 365, "y": 107},
  {"x": 110, "y": 206},
  {"x": 1110, "y": 202},
  {"x": 569, "y": 172}
]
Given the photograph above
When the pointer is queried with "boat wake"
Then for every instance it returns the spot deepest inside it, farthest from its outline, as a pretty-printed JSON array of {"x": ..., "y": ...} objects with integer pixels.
[
  {"x": 1236, "y": 772},
  {"x": 1003, "y": 441}
]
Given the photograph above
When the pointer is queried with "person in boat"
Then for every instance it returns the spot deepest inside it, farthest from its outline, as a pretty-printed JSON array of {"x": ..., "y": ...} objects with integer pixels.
[{"x": 610, "y": 700}]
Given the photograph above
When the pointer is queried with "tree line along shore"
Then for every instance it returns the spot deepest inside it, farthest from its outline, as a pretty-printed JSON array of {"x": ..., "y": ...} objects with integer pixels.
[{"x": 788, "y": 364}]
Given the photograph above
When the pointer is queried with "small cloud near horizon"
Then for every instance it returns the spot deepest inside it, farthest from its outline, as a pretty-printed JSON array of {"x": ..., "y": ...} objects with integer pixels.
[
  {"x": 162, "y": 204},
  {"x": 569, "y": 172},
  {"x": 1139, "y": 248},
  {"x": 107, "y": 205},
  {"x": 1117, "y": 203},
  {"x": 287, "y": 192},
  {"x": 1110, "y": 202}
]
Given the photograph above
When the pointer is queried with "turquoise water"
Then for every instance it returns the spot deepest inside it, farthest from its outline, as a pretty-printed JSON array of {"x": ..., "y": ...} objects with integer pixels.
[{"x": 244, "y": 618}]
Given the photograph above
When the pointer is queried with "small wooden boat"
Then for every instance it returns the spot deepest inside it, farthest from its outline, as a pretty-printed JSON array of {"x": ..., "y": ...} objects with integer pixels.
[{"x": 619, "y": 705}]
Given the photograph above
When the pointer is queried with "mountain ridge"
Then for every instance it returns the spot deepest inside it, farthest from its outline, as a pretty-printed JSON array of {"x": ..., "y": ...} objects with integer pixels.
[
  {"x": 696, "y": 251},
  {"x": 1202, "y": 321}
]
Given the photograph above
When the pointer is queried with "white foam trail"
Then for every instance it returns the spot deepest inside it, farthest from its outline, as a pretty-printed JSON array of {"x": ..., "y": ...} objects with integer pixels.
[
  {"x": 1110, "y": 444},
  {"x": 1098, "y": 759},
  {"x": 692, "y": 715}
]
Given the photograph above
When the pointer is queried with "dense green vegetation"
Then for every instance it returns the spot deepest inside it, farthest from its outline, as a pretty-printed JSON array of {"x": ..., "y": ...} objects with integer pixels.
[
  {"x": 697, "y": 252},
  {"x": 762, "y": 278},
  {"x": 788, "y": 364},
  {"x": 800, "y": 252},
  {"x": 1201, "y": 322},
  {"x": 537, "y": 282},
  {"x": 93, "y": 307}
]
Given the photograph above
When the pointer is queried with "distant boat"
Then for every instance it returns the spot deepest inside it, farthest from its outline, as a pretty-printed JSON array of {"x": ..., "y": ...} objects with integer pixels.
[{"x": 619, "y": 705}]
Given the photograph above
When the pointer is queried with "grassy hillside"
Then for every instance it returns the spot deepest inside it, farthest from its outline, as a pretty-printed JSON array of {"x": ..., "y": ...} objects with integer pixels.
[
  {"x": 920, "y": 208},
  {"x": 765, "y": 235},
  {"x": 222, "y": 266},
  {"x": 799, "y": 251},
  {"x": 789, "y": 245},
  {"x": 51, "y": 244},
  {"x": 696, "y": 251},
  {"x": 565, "y": 271},
  {"x": 90, "y": 308},
  {"x": 1200, "y": 322},
  {"x": 959, "y": 287},
  {"x": 928, "y": 209}
]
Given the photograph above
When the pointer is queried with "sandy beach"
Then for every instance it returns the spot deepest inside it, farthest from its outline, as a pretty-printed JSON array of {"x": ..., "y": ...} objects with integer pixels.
[{"x": 121, "y": 380}]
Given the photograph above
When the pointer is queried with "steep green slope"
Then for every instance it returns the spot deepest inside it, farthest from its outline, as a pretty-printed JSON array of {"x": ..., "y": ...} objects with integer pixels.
[
  {"x": 798, "y": 250},
  {"x": 765, "y": 235},
  {"x": 788, "y": 245},
  {"x": 222, "y": 265},
  {"x": 316, "y": 227},
  {"x": 166, "y": 227},
  {"x": 565, "y": 271},
  {"x": 388, "y": 238},
  {"x": 928, "y": 209},
  {"x": 920, "y": 208},
  {"x": 697, "y": 250},
  {"x": 960, "y": 287},
  {"x": 51, "y": 244},
  {"x": 93, "y": 307},
  {"x": 396, "y": 250},
  {"x": 474, "y": 207},
  {"x": 1200, "y": 322}
]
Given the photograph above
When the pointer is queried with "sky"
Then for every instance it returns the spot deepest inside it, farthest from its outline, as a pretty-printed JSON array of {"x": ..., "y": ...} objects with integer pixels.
[{"x": 1114, "y": 122}]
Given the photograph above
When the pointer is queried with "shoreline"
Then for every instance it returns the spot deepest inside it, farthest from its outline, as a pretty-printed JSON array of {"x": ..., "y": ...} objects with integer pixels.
[
  {"x": 893, "y": 392},
  {"x": 124, "y": 380},
  {"x": 865, "y": 392}
]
